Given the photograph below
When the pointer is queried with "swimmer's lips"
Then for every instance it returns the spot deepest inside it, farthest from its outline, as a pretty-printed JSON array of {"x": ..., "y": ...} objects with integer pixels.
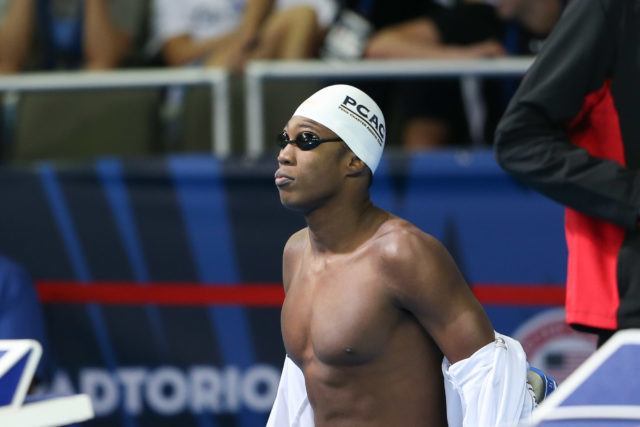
[{"x": 282, "y": 179}]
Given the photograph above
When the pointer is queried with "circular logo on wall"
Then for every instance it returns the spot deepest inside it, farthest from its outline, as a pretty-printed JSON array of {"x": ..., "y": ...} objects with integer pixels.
[{"x": 554, "y": 346}]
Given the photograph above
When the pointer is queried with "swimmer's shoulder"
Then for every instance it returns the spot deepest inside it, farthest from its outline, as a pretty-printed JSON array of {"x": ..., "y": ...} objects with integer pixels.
[
  {"x": 396, "y": 233},
  {"x": 297, "y": 241},
  {"x": 292, "y": 253},
  {"x": 404, "y": 250}
]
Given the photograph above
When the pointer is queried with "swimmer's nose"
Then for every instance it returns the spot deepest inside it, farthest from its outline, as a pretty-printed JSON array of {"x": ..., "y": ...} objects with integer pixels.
[{"x": 286, "y": 156}]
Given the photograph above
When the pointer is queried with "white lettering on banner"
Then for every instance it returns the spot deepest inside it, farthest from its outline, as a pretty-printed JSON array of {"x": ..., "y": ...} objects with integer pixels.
[
  {"x": 232, "y": 378},
  {"x": 261, "y": 375},
  {"x": 132, "y": 380},
  {"x": 61, "y": 384},
  {"x": 206, "y": 389},
  {"x": 169, "y": 390},
  {"x": 103, "y": 389}
]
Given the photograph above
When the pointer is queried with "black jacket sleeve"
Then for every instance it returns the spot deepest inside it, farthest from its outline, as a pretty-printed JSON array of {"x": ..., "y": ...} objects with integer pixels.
[{"x": 531, "y": 140}]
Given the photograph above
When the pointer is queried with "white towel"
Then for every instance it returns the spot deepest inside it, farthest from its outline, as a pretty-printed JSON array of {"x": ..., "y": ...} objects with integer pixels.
[
  {"x": 291, "y": 407},
  {"x": 489, "y": 388}
]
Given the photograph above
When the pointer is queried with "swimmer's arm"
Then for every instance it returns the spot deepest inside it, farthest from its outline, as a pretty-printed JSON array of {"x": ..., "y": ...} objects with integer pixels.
[
  {"x": 531, "y": 139},
  {"x": 291, "y": 256},
  {"x": 423, "y": 279}
]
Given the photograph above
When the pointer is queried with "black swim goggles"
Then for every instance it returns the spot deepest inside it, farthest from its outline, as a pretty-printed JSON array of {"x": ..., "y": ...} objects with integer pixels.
[{"x": 305, "y": 140}]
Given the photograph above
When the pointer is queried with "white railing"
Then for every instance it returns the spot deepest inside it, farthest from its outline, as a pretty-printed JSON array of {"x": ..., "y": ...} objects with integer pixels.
[
  {"x": 256, "y": 74},
  {"x": 259, "y": 71},
  {"x": 217, "y": 79}
]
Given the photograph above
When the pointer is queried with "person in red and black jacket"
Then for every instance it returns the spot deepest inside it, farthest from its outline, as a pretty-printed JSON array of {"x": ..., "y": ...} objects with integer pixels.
[{"x": 572, "y": 132}]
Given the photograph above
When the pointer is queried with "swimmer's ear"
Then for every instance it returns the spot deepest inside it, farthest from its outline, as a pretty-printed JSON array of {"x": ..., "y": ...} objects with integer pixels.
[{"x": 356, "y": 166}]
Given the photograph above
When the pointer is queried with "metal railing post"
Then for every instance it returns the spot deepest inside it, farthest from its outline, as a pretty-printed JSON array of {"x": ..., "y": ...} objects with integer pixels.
[
  {"x": 220, "y": 108},
  {"x": 254, "y": 111}
]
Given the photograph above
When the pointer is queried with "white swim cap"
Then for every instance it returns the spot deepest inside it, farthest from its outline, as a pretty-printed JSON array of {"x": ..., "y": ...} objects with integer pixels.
[{"x": 353, "y": 116}]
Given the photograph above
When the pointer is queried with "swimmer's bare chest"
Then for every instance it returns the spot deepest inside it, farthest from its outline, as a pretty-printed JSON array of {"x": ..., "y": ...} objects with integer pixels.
[
  {"x": 338, "y": 314},
  {"x": 360, "y": 352}
]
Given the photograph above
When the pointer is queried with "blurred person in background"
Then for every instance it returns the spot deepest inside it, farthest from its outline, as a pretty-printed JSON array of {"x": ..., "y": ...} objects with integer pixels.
[
  {"x": 466, "y": 29},
  {"x": 21, "y": 314},
  {"x": 470, "y": 29},
  {"x": 228, "y": 33},
  {"x": 434, "y": 114},
  {"x": 53, "y": 34}
]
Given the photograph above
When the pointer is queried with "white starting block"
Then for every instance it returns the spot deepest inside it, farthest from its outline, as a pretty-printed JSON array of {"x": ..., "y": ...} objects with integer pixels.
[
  {"x": 18, "y": 362},
  {"x": 603, "y": 391}
]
